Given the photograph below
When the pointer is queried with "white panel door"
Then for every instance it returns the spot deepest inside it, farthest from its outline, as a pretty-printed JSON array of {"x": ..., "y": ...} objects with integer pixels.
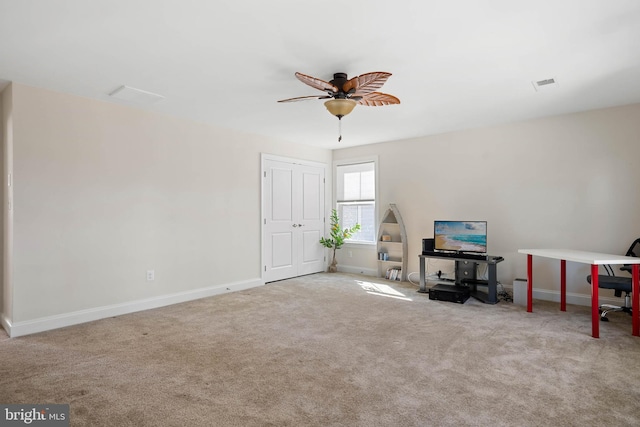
[
  {"x": 279, "y": 242},
  {"x": 311, "y": 225},
  {"x": 293, "y": 205}
]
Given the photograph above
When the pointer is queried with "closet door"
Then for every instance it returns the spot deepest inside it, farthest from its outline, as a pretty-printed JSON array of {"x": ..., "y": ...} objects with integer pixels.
[
  {"x": 293, "y": 210},
  {"x": 311, "y": 220}
]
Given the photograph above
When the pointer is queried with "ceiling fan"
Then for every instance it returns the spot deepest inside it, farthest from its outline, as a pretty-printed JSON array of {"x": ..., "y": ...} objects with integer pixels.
[{"x": 344, "y": 94}]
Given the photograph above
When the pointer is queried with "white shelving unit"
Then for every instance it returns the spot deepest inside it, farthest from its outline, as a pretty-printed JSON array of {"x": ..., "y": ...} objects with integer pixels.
[{"x": 396, "y": 249}]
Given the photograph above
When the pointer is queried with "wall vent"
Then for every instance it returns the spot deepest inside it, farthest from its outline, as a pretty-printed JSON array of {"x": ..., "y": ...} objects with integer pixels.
[{"x": 545, "y": 84}]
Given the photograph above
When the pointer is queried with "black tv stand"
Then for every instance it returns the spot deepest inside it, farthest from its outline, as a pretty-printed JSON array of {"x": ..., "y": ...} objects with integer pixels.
[{"x": 465, "y": 272}]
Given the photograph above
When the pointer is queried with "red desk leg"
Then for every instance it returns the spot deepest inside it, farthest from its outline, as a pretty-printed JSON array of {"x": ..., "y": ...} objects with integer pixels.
[
  {"x": 595, "y": 315},
  {"x": 635, "y": 305},
  {"x": 529, "y": 283},
  {"x": 563, "y": 285}
]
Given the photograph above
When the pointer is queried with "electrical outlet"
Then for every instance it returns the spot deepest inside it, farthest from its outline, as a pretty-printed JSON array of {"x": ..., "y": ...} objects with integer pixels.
[
  {"x": 350, "y": 254},
  {"x": 151, "y": 275}
]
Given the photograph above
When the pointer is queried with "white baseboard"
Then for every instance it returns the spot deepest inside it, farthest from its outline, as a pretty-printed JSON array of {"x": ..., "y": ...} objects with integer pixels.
[
  {"x": 572, "y": 298},
  {"x": 357, "y": 270},
  {"x": 74, "y": 318},
  {"x": 42, "y": 324},
  {"x": 576, "y": 299}
]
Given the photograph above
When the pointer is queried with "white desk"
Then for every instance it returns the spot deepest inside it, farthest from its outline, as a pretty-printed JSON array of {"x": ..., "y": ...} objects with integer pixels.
[{"x": 595, "y": 259}]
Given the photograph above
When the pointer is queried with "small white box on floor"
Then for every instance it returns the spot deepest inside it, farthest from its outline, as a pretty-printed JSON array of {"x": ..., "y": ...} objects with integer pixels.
[{"x": 520, "y": 292}]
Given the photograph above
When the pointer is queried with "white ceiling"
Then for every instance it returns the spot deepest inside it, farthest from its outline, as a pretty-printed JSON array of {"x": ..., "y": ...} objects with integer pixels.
[{"x": 456, "y": 64}]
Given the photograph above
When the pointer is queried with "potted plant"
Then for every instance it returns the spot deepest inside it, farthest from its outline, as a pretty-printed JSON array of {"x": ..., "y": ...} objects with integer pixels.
[{"x": 337, "y": 238}]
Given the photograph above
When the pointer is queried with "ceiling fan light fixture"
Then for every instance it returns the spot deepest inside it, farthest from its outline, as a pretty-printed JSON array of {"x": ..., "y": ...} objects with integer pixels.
[{"x": 340, "y": 107}]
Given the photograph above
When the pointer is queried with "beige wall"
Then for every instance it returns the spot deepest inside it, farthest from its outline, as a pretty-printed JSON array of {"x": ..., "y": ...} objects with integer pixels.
[
  {"x": 3, "y": 156},
  {"x": 105, "y": 192},
  {"x": 6, "y": 142},
  {"x": 562, "y": 182}
]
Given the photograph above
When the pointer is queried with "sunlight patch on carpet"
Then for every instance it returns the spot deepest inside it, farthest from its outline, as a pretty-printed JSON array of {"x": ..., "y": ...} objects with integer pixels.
[{"x": 382, "y": 290}]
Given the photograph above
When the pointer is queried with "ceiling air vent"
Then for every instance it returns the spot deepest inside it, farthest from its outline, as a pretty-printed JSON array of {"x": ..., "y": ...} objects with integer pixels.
[
  {"x": 138, "y": 96},
  {"x": 545, "y": 84}
]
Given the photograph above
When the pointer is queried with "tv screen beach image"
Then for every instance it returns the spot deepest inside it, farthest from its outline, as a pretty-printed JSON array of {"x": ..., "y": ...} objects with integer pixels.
[{"x": 461, "y": 236}]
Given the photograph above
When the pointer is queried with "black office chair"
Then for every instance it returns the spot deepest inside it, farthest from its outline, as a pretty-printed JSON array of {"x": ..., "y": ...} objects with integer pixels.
[{"x": 619, "y": 284}]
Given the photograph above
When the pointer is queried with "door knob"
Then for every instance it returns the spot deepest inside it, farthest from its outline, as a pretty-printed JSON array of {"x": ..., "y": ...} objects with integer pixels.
[{"x": 295, "y": 225}]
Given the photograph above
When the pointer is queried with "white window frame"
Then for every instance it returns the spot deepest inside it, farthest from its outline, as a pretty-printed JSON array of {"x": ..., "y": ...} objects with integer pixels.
[{"x": 347, "y": 162}]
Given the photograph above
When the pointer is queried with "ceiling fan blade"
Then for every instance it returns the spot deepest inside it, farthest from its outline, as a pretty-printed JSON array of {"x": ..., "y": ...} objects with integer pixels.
[
  {"x": 302, "y": 98},
  {"x": 317, "y": 83},
  {"x": 376, "y": 99},
  {"x": 366, "y": 83}
]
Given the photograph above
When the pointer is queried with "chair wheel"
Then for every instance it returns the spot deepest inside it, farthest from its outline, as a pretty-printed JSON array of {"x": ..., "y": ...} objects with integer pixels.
[{"x": 604, "y": 319}]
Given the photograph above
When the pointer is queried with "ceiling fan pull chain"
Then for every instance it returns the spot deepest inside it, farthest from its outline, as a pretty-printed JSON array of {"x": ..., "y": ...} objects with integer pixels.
[{"x": 339, "y": 129}]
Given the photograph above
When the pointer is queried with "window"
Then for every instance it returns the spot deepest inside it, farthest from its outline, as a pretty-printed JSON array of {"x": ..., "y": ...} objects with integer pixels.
[{"x": 356, "y": 199}]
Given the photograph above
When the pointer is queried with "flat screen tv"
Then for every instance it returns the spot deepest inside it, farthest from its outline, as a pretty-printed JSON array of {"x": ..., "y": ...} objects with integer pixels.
[{"x": 460, "y": 236}]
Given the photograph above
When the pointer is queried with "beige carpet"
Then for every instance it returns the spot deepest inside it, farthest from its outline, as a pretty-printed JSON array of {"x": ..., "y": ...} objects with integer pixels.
[{"x": 333, "y": 350}]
